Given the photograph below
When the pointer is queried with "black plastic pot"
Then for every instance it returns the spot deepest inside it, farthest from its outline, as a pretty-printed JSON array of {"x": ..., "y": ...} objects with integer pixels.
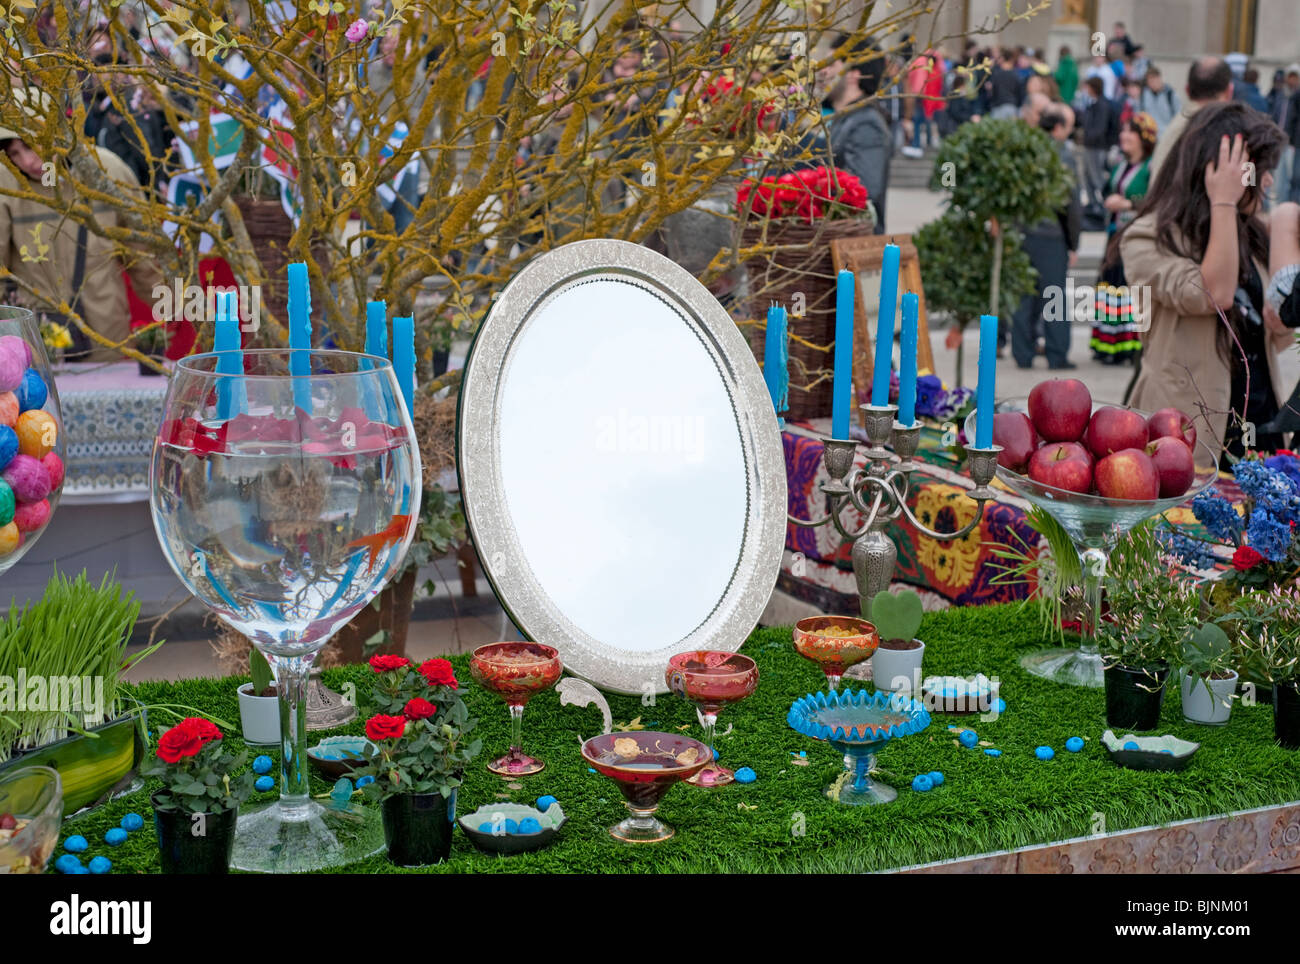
[
  {"x": 1286, "y": 714},
  {"x": 1134, "y": 696},
  {"x": 418, "y": 827},
  {"x": 189, "y": 846}
]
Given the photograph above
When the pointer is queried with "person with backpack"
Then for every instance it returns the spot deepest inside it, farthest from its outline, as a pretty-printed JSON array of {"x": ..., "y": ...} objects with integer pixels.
[{"x": 1159, "y": 100}]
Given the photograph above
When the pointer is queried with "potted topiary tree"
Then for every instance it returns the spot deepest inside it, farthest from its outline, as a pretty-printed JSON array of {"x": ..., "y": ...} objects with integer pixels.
[
  {"x": 896, "y": 663},
  {"x": 422, "y": 729},
  {"x": 1001, "y": 174}
]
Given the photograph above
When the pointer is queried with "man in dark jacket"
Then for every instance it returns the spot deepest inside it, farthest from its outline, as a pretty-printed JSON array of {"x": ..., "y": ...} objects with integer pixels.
[
  {"x": 1100, "y": 131},
  {"x": 1051, "y": 246},
  {"x": 860, "y": 139}
]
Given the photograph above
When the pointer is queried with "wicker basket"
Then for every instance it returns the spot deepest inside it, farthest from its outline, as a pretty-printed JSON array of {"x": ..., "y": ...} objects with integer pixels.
[
  {"x": 269, "y": 229},
  {"x": 799, "y": 265}
]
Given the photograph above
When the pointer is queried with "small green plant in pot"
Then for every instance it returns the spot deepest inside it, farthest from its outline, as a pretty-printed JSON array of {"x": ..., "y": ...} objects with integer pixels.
[
  {"x": 1208, "y": 681},
  {"x": 1265, "y": 626},
  {"x": 1154, "y": 606},
  {"x": 422, "y": 729},
  {"x": 259, "y": 704},
  {"x": 196, "y": 810},
  {"x": 896, "y": 664}
]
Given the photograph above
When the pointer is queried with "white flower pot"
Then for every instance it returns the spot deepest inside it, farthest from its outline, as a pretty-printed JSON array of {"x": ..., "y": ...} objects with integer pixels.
[
  {"x": 1213, "y": 707},
  {"x": 259, "y": 716},
  {"x": 898, "y": 670}
]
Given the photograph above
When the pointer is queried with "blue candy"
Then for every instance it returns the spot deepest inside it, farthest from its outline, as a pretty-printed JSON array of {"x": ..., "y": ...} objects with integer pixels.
[
  {"x": 132, "y": 821},
  {"x": 115, "y": 837},
  {"x": 1170, "y": 752},
  {"x": 1044, "y": 753},
  {"x": 485, "y": 827},
  {"x": 32, "y": 392},
  {"x": 968, "y": 738},
  {"x": 1074, "y": 744},
  {"x": 80, "y": 869},
  {"x": 992, "y": 752},
  {"x": 8, "y": 445},
  {"x": 746, "y": 775},
  {"x": 512, "y": 826},
  {"x": 715, "y": 754},
  {"x": 590, "y": 770},
  {"x": 262, "y": 784},
  {"x": 75, "y": 844},
  {"x": 1002, "y": 706},
  {"x": 935, "y": 777},
  {"x": 922, "y": 783},
  {"x": 262, "y": 764},
  {"x": 529, "y": 825},
  {"x": 364, "y": 781},
  {"x": 545, "y": 803},
  {"x": 1130, "y": 745},
  {"x": 100, "y": 865},
  {"x": 67, "y": 864}
]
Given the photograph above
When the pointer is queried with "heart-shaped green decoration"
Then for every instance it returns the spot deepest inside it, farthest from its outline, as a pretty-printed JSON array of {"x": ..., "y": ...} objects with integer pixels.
[{"x": 897, "y": 615}]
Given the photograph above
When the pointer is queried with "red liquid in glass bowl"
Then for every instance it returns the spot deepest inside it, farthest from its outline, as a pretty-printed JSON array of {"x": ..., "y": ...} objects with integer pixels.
[
  {"x": 645, "y": 765},
  {"x": 516, "y": 671},
  {"x": 712, "y": 679}
]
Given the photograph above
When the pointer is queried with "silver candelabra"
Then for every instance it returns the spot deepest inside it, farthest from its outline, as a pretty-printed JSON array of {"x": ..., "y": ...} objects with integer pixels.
[{"x": 879, "y": 491}]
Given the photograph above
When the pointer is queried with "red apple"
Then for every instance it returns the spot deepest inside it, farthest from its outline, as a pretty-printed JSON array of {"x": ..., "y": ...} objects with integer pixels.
[
  {"x": 1174, "y": 464},
  {"x": 1115, "y": 429},
  {"x": 1065, "y": 465},
  {"x": 1015, "y": 433},
  {"x": 1172, "y": 423},
  {"x": 1128, "y": 474},
  {"x": 1059, "y": 409}
]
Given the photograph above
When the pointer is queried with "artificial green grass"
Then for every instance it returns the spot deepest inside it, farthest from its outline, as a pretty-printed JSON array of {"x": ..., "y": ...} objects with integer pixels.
[{"x": 985, "y": 804}]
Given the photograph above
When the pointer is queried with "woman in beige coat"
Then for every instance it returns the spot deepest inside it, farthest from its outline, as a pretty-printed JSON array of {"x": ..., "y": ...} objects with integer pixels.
[{"x": 1197, "y": 247}]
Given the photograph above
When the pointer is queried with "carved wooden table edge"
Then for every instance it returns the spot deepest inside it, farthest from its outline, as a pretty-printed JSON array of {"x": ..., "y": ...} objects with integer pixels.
[{"x": 1262, "y": 840}]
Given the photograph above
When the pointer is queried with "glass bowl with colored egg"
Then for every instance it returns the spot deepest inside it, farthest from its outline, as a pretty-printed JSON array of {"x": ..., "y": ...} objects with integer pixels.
[{"x": 32, "y": 445}]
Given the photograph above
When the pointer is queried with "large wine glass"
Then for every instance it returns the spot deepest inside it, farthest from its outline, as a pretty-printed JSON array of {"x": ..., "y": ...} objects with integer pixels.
[
  {"x": 32, "y": 442},
  {"x": 1094, "y": 524},
  {"x": 285, "y": 495}
]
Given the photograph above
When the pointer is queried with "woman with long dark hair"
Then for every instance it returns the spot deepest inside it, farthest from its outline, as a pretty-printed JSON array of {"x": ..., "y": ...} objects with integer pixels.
[{"x": 1198, "y": 248}]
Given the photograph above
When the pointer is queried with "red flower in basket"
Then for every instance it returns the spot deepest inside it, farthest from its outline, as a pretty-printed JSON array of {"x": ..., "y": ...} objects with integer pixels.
[
  {"x": 418, "y": 708},
  {"x": 1246, "y": 558},
  {"x": 381, "y": 727},
  {"x": 438, "y": 672},
  {"x": 382, "y": 663}
]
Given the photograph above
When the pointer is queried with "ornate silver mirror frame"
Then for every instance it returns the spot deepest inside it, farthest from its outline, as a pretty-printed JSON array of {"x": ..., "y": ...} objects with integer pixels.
[{"x": 664, "y": 294}]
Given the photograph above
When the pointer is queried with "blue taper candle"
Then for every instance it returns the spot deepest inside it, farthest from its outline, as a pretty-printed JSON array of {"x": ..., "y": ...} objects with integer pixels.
[
  {"x": 404, "y": 359},
  {"x": 773, "y": 352},
  {"x": 230, "y": 361},
  {"x": 842, "y": 390},
  {"x": 885, "y": 326},
  {"x": 984, "y": 393},
  {"x": 300, "y": 332},
  {"x": 907, "y": 360},
  {"x": 377, "y": 328}
]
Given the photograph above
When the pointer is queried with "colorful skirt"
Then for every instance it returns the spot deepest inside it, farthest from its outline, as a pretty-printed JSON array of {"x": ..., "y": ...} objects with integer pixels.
[{"x": 1115, "y": 334}]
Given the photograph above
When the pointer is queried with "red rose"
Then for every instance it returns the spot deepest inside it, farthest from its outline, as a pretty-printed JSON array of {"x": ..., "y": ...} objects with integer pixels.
[
  {"x": 438, "y": 672},
  {"x": 419, "y": 709},
  {"x": 1245, "y": 558},
  {"x": 179, "y": 742},
  {"x": 380, "y": 727},
  {"x": 381, "y": 664},
  {"x": 205, "y": 730}
]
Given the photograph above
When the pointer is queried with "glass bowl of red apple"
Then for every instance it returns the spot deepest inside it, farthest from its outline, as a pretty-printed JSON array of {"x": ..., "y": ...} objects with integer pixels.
[{"x": 1095, "y": 464}]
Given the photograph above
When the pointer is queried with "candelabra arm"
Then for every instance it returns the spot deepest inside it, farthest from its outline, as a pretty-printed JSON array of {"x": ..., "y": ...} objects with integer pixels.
[
  {"x": 866, "y": 526},
  {"x": 809, "y": 523},
  {"x": 946, "y": 536}
]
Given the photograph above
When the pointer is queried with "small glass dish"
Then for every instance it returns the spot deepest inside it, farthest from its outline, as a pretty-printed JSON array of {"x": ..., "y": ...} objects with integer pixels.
[{"x": 31, "y": 797}]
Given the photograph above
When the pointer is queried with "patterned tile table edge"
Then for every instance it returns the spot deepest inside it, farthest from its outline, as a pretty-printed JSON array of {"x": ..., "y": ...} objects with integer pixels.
[{"x": 1263, "y": 840}]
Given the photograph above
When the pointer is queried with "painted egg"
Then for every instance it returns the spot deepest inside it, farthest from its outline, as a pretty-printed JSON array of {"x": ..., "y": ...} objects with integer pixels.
[
  {"x": 115, "y": 837},
  {"x": 37, "y": 433},
  {"x": 100, "y": 865},
  {"x": 1044, "y": 753},
  {"x": 30, "y": 516},
  {"x": 262, "y": 764},
  {"x": 29, "y": 479},
  {"x": 32, "y": 393},
  {"x": 935, "y": 777},
  {"x": 9, "y": 409},
  {"x": 75, "y": 844},
  {"x": 746, "y": 775},
  {"x": 10, "y": 538},
  {"x": 132, "y": 821}
]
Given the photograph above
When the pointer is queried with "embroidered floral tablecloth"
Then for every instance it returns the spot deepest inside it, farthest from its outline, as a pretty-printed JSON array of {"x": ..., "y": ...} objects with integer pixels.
[{"x": 111, "y": 414}]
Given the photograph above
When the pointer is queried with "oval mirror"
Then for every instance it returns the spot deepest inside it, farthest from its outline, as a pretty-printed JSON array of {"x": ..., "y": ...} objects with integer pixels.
[{"x": 620, "y": 463}]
